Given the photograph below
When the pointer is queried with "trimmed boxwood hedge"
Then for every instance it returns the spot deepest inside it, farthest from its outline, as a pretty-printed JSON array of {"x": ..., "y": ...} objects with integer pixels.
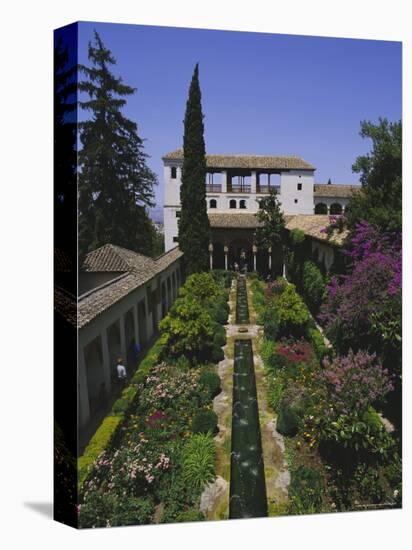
[{"x": 205, "y": 422}]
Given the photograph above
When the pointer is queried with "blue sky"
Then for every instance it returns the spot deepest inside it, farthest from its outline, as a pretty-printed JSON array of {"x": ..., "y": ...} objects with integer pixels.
[{"x": 261, "y": 93}]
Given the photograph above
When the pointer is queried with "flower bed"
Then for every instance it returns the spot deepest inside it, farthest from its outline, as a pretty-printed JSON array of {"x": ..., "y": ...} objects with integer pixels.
[{"x": 325, "y": 407}]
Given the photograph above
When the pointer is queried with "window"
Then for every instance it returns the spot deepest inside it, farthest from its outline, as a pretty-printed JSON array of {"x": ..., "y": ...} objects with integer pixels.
[
  {"x": 213, "y": 203},
  {"x": 232, "y": 203},
  {"x": 296, "y": 200},
  {"x": 242, "y": 204},
  {"x": 175, "y": 239},
  {"x": 178, "y": 213},
  {"x": 173, "y": 172},
  {"x": 299, "y": 187}
]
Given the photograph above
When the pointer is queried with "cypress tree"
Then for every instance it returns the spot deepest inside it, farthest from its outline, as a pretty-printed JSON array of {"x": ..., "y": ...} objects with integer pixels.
[
  {"x": 194, "y": 228},
  {"x": 115, "y": 184}
]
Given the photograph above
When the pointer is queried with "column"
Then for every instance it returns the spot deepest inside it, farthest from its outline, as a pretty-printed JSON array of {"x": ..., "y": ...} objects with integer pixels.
[
  {"x": 136, "y": 325},
  {"x": 226, "y": 250},
  {"x": 270, "y": 258},
  {"x": 253, "y": 180},
  {"x": 83, "y": 406},
  {"x": 211, "y": 256},
  {"x": 106, "y": 359},
  {"x": 224, "y": 181},
  {"x": 284, "y": 269},
  {"x": 254, "y": 250},
  {"x": 328, "y": 209},
  {"x": 123, "y": 338}
]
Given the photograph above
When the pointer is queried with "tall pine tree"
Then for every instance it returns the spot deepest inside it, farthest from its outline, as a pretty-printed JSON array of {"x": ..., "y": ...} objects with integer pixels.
[
  {"x": 65, "y": 153},
  {"x": 194, "y": 228},
  {"x": 115, "y": 183}
]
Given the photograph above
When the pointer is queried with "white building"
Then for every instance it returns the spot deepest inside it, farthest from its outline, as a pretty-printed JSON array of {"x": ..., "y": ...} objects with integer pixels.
[{"x": 236, "y": 183}]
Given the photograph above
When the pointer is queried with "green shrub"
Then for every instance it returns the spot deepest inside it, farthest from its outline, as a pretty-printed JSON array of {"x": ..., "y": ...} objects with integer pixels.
[
  {"x": 190, "y": 515},
  {"x": 288, "y": 420},
  {"x": 292, "y": 311},
  {"x": 133, "y": 511},
  {"x": 296, "y": 236},
  {"x": 313, "y": 285},
  {"x": 98, "y": 443},
  {"x": 205, "y": 422},
  {"x": 104, "y": 510},
  {"x": 273, "y": 362},
  {"x": 217, "y": 354},
  {"x": 305, "y": 491},
  {"x": 200, "y": 286},
  {"x": 198, "y": 461},
  {"x": 223, "y": 277},
  {"x": 211, "y": 382},
  {"x": 219, "y": 338},
  {"x": 188, "y": 328},
  {"x": 275, "y": 391},
  {"x": 318, "y": 342},
  {"x": 270, "y": 320},
  {"x": 220, "y": 312},
  {"x": 253, "y": 275}
]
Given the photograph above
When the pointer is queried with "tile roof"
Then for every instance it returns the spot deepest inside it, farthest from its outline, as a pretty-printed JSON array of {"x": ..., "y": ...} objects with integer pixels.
[
  {"x": 260, "y": 162},
  {"x": 311, "y": 224},
  {"x": 233, "y": 221},
  {"x": 338, "y": 190},
  {"x": 110, "y": 257},
  {"x": 65, "y": 305},
  {"x": 140, "y": 269}
]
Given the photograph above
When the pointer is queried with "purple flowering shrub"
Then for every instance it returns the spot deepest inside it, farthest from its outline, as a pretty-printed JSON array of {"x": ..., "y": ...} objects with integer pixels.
[
  {"x": 354, "y": 382},
  {"x": 363, "y": 308},
  {"x": 344, "y": 392}
]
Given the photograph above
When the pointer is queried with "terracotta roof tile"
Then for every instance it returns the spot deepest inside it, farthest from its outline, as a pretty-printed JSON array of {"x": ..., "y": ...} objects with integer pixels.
[
  {"x": 311, "y": 224},
  {"x": 338, "y": 190},
  {"x": 140, "y": 269},
  {"x": 259, "y": 162}
]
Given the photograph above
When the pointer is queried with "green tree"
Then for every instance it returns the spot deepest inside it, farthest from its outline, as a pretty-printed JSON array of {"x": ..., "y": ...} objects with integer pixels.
[
  {"x": 380, "y": 200},
  {"x": 115, "y": 183},
  {"x": 270, "y": 233},
  {"x": 270, "y": 216},
  {"x": 194, "y": 228},
  {"x": 65, "y": 157}
]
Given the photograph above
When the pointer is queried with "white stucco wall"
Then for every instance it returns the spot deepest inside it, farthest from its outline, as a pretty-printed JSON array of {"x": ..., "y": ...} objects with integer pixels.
[
  {"x": 98, "y": 328},
  {"x": 326, "y": 253},
  {"x": 329, "y": 201},
  {"x": 289, "y": 192},
  {"x": 171, "y": 201}
]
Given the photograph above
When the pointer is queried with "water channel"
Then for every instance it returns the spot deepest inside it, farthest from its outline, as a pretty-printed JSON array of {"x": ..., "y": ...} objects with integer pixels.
[{"x": 247, "y": 479}]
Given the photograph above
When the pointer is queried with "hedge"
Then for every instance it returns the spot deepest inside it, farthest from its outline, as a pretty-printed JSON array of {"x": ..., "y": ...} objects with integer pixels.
[{"x": 108, "y": 429}]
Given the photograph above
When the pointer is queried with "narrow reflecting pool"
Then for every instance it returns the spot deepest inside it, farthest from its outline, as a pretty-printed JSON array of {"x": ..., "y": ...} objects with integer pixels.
[{"x": 247, "y": 479}]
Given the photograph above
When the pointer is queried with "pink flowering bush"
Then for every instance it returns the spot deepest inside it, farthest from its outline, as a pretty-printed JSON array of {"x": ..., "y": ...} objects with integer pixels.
[
  {"x": 345, "y": 391},
  {"x": 363, "y": 308},
  {"x": 354, "y": 382}
]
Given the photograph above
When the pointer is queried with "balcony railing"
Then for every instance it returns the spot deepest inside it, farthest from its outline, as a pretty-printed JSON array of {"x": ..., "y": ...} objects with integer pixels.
[
  {"x": 212, "y": 188},
  {"x": 266, "y": 188},
  {"x": 239, "y": 188},
  {"x": 217, "y": 188}
]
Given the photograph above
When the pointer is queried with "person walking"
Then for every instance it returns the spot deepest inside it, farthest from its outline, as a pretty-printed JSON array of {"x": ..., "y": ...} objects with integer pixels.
[{"x": 121, "y": 371}]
